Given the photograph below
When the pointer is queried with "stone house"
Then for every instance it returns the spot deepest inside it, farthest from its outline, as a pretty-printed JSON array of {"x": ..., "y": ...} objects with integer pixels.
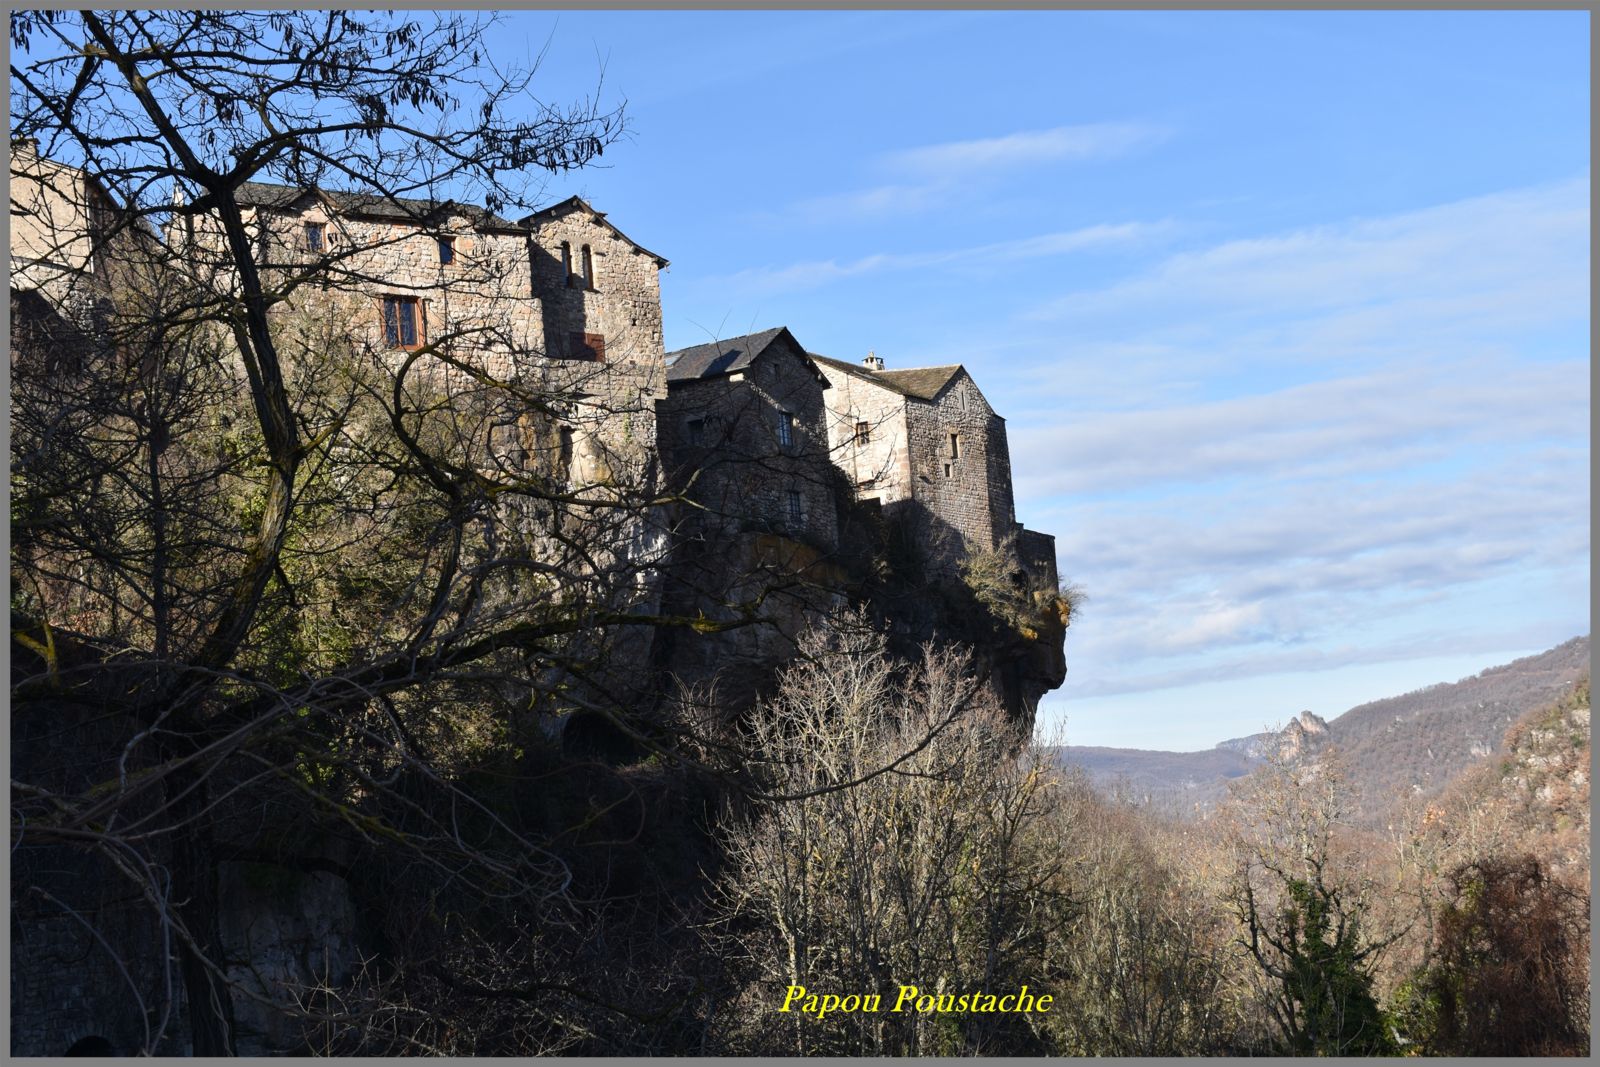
[
  {"x": 744, "y": 440},
  {"x": 755, "y": 431},
  {"x": 73, "y": 256},
  {"x": 743, "y": 433},
  {"x": 70, "y": 241},
  {"x": 560, "y": 300},
  {"x": 925, "y": 442}
]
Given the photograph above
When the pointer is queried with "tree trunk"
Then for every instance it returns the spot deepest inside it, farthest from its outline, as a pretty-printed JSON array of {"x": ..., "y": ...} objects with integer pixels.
[{"x": 195, "y": 897}]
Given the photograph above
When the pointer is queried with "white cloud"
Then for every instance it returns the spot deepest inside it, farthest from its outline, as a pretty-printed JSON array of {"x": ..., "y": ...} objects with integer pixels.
[
  {"x": 813, "y": 273},
  {"x": 1343, "y": 426},
  {"x": 1484, "y": 250},
  {"x": 1101, "y": 140},
  {"x": 933, "y": 176}
]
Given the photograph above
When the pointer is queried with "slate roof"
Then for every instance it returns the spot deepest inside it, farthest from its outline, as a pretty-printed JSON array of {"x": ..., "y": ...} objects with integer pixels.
[
  {"x": 920, "y": 383},
  {"x": 722, "y": 357},
  {"x": 409, "y": 209},
  {"x": 264, "y": 194}
]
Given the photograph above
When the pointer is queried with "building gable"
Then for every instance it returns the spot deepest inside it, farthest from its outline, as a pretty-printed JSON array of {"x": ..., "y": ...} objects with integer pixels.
[
  {"x": 738, "y": 354},
  {"x": 575, "y": 204}
]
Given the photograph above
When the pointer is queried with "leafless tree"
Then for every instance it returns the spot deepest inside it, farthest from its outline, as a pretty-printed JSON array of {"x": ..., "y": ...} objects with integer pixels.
[
  {"x": 906, "y": 851},
  {"x": 277, "y": 591}
]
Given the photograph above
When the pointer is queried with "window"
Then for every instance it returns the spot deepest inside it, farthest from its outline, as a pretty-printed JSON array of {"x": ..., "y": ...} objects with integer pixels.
[
  {"x": 590, "y": 347},
  {"x": 863, "y": 432},
  {"x": 785, "y": 429},
  {"x": 314, "y": 236},
  {"x": 947, "y": 470},
  {"x": 955, "y": 446},
  {"x": 697, "y": 431},
  {"x": 797, "y": 510},
  {"x": 566, "y": 261},
  {"x": 402, "y": 322},
  {"x": 447, "y": 251},
  {"x": 564, "y": 453},
  {"x": 588, "y": 268}
]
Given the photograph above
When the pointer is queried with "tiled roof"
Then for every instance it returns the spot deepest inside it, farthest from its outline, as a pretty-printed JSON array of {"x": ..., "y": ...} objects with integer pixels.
[
  {"x": 720, "y": 357},
  {"x": 922, "y": 383}
]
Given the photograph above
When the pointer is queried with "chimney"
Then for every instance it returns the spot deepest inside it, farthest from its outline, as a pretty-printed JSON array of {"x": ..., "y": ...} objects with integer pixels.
[{"x": 873, "y": 361}]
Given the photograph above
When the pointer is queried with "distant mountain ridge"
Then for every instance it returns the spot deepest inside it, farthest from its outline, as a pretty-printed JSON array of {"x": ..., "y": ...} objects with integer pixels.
[
  {"x": 1398, "y": 746},
  {"x": 1302, "y": 732}
]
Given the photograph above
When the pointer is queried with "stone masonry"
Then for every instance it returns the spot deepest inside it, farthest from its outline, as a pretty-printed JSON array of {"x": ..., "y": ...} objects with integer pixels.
[
  {"x": 560, "y": 300},
  {"x": 722, "y": 432},
  {"x": 925, "y": 440}
]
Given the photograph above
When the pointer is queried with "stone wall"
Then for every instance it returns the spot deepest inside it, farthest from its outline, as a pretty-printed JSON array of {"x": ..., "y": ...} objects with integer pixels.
[
  {"x": 876, "y": 463},
  {"x": 739, "y": 475},
  {"x": 70, "y": 243},
  {"x": 965, "y": 485},
  {"x": 88, "y": 960},
  {"x": 502, "y": 302},
  {"x": 1038, "y": 553},
  {"x": 481, "y": 298},
  {"x": 620, "y": 298}
]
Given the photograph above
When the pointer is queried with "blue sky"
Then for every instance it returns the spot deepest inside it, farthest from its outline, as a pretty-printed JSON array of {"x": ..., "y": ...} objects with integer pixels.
[{"x": 1287, "y": 312}]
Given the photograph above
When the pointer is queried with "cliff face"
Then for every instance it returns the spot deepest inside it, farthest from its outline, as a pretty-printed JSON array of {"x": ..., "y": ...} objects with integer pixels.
[{"x": 895, "y": 568}]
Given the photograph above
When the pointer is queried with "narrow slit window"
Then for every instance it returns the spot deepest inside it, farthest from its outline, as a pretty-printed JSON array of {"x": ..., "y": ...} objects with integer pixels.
[
  {"x": 797, "y": 512},
  {"x": 315, "y": 235},
  {"x": 566, "y": 261},
  {"x": 947, "y": 470},
  {"x": 447, "y": 251},
  {"x": 955, "y": 446},
  {"x": 564, "y": 452},
  {"x": 588, "y": 268}
]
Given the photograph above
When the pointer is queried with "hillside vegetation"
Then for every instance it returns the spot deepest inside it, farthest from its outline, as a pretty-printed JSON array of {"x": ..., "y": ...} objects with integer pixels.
[{"x": 1394, "y": 749}]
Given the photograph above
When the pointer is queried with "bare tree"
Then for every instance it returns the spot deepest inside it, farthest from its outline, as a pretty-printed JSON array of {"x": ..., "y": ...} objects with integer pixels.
[
  {"x": 256, "y": 550},
  {"x": 1303, "y": 904},
  {"x": 907, "y": 850}
]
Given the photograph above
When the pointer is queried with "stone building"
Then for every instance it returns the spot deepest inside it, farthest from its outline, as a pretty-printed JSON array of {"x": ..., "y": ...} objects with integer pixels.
[
  {"x": 744, "y": 440},
  {"x": 925, "y": 442},
  {"x": 743, "y": 433},
  {"x": 761, "y": 438},
  {"x": 560, "y": 300},
  {"x": 70, "y": 241},
  {"x": 73, "y": 255}
]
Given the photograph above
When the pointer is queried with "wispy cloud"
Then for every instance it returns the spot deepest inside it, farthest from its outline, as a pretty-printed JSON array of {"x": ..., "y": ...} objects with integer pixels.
[
  {"x": 1483, "y": 249},
  {"x": 927, "y": 177},
  {"x": 1339, "y": 427},
  {"x": 1482, "y": 278},
  {"x": 1101, "y": 140},
  {"x": 813, "y": 273},
  {"x": 1303, "y": 450},
  {"x": 1253, "y": 573}
]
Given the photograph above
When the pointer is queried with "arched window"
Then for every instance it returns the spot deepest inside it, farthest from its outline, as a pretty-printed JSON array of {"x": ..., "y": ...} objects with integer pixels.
[
  {"x": 588, "y": 268},
  {"x": 566, "y": 261}
]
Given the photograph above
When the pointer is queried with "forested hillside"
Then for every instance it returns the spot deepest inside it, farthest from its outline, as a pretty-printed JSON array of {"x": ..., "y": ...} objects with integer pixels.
[{"x": 1396, "y": 748}]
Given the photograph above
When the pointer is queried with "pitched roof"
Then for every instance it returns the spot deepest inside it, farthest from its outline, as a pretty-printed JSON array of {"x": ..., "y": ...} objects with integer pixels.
[
  {"x": 921, "y": 383},
  {"x": 265, "y": 194},
  {"x": 577, "y": 203},
  {"x": 721, "y": 357}
]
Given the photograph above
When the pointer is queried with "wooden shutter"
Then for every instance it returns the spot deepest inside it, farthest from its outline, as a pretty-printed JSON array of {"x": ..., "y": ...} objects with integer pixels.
[{"x": 588, "y": 346}]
